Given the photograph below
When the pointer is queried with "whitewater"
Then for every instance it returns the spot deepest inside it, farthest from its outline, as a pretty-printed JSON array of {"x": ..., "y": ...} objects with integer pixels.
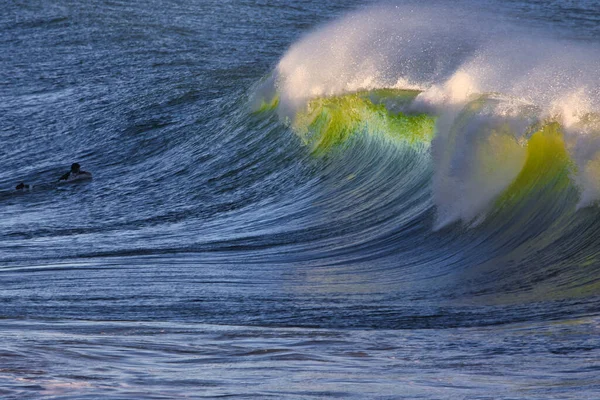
[{"x": 328, "y": 199}]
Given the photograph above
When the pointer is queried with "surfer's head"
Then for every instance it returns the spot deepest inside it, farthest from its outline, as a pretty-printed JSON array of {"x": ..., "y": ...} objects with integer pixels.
[{"x": 75, "y": 167}]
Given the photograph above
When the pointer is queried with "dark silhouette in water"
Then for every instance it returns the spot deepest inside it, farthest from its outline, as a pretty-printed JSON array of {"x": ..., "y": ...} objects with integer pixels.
[{"x": 75, "y": 173}]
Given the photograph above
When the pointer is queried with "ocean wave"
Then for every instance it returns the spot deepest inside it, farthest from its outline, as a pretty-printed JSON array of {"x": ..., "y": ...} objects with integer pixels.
[
  {"x": 485, "y": 101},
  {"x": 506, "y": 131}
]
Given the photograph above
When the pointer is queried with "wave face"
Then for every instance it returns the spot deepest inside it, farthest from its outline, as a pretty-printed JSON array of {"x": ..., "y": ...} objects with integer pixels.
[
  {"x": 407, "y": 185},
  {"x": 504, "y": 123}
]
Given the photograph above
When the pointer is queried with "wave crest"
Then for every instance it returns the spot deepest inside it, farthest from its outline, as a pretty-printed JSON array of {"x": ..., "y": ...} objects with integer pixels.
[{"x": 492, "y": 95}]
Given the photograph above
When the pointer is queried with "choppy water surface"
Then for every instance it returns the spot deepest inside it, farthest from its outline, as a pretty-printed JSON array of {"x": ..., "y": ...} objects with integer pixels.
[{"x": 316, "y": 200}]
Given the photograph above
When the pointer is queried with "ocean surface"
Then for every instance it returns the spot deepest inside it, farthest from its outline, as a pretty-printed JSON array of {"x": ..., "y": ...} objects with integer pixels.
[{"x": 303, "y": 200}]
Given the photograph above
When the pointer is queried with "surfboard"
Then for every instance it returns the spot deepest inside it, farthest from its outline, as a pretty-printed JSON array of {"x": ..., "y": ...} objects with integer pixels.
[{"x": 79, "y": 177}]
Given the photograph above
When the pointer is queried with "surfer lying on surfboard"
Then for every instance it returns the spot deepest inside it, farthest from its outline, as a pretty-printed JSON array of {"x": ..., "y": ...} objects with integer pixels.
[{"x": 75, "y": 173}]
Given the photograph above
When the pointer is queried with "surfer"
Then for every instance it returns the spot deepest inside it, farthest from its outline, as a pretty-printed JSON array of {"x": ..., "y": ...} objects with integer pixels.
[
  {"x": 75, "y": 173},
  {"x": 22, "y": 186}
]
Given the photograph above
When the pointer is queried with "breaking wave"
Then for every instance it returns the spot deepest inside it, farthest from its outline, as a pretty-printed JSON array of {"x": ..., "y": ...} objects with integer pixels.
[
  {"x": 499, "y": 113},
  {"x": 507, "y": 131}
]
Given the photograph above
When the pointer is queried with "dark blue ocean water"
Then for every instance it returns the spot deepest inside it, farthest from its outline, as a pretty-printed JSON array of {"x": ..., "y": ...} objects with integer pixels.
[{"x": 215, "y": 254}]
